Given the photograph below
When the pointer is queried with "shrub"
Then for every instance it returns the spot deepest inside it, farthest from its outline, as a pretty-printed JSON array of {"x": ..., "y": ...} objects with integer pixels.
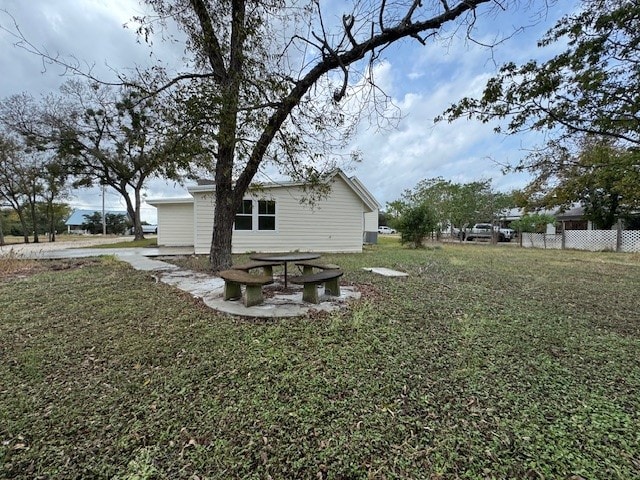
[{"x": 416, "y": 223}]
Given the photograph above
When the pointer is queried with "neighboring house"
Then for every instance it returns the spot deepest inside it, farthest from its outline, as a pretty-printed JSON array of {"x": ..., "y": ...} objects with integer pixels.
[
  {"x": 573, "y": 219},
  {"x": 507, "y": 216},
  {"x": 77, "y": 218},
  {"x": 272, "y": 218}
]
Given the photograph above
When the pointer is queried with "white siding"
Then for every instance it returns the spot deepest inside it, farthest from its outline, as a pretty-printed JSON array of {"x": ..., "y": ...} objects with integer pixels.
[
  {"x": 371, "y": 221},
  {"x": 203, "y": 211},
  {"x": 175, "y": 224},
  {"x": 335, "y": 224}
]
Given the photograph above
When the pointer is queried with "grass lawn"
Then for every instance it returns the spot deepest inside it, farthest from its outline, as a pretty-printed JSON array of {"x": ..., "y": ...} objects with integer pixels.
[
  {"x": 145, "y": 242},
  {"x": 487, "y": 362}
]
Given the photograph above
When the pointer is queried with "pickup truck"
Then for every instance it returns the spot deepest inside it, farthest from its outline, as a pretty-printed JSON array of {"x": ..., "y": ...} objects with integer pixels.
[{"x": 485, "y": 230}]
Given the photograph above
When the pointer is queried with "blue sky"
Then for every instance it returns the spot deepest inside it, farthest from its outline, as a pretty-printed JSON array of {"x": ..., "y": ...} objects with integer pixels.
[{"x": 422, "y": 81}]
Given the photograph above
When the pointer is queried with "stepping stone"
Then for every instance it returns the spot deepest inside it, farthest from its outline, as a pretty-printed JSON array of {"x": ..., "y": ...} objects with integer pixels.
[{"x": 386, "y": 272}]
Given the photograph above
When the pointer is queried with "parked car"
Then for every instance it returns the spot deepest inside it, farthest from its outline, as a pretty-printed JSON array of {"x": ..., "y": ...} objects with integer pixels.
[
  {"x": 146, "y": 229},
  {"x": 457, "y": 233},
  {"x": 486, "y": 231},
  {"x": 386, "y": 230}
]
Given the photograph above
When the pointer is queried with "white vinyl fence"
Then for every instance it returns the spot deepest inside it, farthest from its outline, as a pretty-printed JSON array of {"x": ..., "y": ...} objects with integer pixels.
[{"x": 593, "y": 240}]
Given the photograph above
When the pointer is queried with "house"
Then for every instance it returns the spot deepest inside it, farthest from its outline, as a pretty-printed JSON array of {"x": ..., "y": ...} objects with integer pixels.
[
  {"x": 77, "y": 219},
  {"x": 274, "y": 218},
  {"x": 571, "y": 218},
  {"x": 574, "y": 219}
]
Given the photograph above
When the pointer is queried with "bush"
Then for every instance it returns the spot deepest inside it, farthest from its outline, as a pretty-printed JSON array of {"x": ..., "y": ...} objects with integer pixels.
[{"x": 416, "y": 223}]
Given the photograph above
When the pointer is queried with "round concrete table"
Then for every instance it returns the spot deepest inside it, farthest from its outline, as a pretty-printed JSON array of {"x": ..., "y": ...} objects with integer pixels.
[{"x": 284, "y": 258}]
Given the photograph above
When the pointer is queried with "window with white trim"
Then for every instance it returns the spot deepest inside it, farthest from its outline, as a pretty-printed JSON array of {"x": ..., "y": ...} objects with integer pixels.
[
  {"x": 256, "y": 215},
  {"x": 244, "y": 216},
  {"x": 266, "y": 215}
]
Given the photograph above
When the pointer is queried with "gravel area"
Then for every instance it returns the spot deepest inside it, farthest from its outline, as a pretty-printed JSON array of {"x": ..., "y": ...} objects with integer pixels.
[{"x": 20, "y": 248}]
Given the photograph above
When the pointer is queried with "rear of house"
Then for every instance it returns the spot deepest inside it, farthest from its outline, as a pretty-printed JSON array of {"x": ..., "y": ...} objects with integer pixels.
[{"x": 274, "y": 218}]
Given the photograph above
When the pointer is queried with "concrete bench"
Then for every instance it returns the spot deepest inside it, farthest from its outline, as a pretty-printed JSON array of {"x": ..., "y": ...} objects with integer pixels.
[
  {"x": 267, "y": 267},
  {"x": 311, "y": 282},
  {"x": 233, "y": 279},
  {"x": 308, "y": 266}
]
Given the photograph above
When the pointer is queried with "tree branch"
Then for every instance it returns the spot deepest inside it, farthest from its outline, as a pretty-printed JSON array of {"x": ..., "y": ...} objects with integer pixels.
[{"x": 211, "y": 44}]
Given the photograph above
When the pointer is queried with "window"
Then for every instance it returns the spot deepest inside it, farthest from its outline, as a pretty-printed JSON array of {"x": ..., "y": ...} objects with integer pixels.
[
  {"x": 244, "y": 216},
  {"x": 266, "y": 215},
  {"x": 256, "y": 217}
]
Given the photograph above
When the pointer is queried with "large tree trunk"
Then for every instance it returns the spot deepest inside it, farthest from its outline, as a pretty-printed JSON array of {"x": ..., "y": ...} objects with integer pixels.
[
  {"x": 134, "y": 212},
  {"x": 223, "y": 218},
  {"x": 137, "y": 223},
  {"x": 227, "y": 198}
]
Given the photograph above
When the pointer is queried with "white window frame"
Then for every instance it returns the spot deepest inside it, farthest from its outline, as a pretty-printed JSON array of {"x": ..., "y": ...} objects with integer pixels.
[
  {"x": 245, "y": 215},
  {"x": 266, "y": 215},
  {"x": 255, "y": 216}
]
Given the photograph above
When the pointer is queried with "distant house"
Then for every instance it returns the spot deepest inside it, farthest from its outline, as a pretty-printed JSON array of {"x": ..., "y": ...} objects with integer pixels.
[
  {"x": 273, "y": 219},
  {"x": 571, "y": 218},
  {"x": 77, "y": 219}
]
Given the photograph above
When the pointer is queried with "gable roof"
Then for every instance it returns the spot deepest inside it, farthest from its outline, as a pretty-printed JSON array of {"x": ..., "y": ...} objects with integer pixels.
[
  {"x": 573, "y": 213},
  {"x": 356, "y": 185},
  {"x": 365, "y": 193},
  {"x": 77, "y": 217}
]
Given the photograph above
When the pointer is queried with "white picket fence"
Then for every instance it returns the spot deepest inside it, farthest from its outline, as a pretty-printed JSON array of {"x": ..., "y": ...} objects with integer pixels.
[{"x": 592, "y": 240}]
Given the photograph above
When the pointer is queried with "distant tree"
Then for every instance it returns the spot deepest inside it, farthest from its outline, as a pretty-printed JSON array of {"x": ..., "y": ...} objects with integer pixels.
[
  {"x": 92, "y": 223},
  {"x": 416, "y": 222},
  {"x": 533, "y": 222},
  {"x": 14, "y": 180},
  {"x": 453, "y": 204},
  {"x": 436, "y": 193},
  {"x": 116, "y": 223},
  {"x": 471, "y": 202},
  {"x": 52, "y": 215},
  {"x": 29, "y": 175},
  {"x": 55, "y": 187},
  {"x": 105, "y": 135}
]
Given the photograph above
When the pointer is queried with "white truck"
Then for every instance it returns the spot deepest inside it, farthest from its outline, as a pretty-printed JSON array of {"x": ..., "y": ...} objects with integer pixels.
[{"x": 486, "y": 231}]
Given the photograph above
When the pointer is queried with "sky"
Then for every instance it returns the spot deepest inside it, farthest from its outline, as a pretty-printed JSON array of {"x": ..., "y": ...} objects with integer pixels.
[{"x": 421, "y": 80}]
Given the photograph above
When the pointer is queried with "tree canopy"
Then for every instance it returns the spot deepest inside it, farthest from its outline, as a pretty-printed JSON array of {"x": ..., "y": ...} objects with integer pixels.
[
  {"x": 587, "y": 101},
  {"x": 591, "y": 87},
  {"x": 454, "y": 204}
]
